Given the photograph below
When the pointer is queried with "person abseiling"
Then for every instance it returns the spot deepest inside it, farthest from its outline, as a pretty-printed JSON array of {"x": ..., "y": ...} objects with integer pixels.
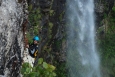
[{"x": 33, "y": 48}]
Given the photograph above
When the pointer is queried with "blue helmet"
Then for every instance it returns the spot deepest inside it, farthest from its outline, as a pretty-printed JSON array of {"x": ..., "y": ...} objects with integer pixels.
[{"x": 36, "y": 38}]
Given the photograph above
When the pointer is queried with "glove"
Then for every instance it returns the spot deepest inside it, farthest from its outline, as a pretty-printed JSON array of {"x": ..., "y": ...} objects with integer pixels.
[{"x": 35, "y": 53}]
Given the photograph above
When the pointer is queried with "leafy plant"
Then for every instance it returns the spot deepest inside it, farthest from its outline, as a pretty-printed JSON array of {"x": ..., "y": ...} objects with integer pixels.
[
  {"x": 107, "y": 43},
  {"x": 42, "y": 69},
  {"x": 34, "y": 19},
  {"x": 113, "y": 9},
  {"x": 61, "y": 70}
]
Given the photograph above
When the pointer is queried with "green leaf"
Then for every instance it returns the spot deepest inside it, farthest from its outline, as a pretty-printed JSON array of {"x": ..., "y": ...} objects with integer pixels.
[
  {"x": 54, "y": 74},
  {"x": 37, "y": 10},
  {"x": 45, "y": 65},
  {"x": 40, "y": 60},
  {"x": 50, "y": 24},
  {"x": 113, "y": 8},
  {"x": 28, "y": 70},
  {"x": 35, "y": 18},
  {"x": 30, "y": 7},
  {"x": 33, "y": 74},
  {"x": 23, "y": 70},
  {"x": 51, "y": 66},
  {"x": 39, "y": 16},
  {"x": 26, "y": 65},
  {"x": 51, "y": 11}
]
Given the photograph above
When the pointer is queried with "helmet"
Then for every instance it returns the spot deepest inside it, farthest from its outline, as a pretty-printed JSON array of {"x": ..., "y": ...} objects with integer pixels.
[{"x": 36, "y": 38}]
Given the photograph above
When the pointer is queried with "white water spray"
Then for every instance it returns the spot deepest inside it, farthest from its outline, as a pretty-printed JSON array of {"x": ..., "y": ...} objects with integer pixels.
[{"x": 82, "y": 59}]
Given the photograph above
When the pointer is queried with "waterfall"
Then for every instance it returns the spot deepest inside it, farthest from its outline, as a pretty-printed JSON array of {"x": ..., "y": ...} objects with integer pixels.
[{"x": 82, "y": 57}]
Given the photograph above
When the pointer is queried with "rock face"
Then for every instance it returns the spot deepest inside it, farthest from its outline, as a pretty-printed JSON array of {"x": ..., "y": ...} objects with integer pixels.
[
  {"x": 11, "y": 37},
  {"x": 102, "y": 7}
]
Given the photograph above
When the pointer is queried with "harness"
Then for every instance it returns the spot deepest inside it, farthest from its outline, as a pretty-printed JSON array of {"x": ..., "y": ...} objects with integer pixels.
[{"x": 33, "y": 50}]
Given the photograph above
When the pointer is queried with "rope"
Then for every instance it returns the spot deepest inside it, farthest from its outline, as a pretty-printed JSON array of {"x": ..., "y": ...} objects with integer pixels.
[{"x": 24, "y": 25}]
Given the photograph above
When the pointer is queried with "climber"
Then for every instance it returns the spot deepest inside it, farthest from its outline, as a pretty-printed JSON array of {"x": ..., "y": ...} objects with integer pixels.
[{"x": 33, "y": 48}]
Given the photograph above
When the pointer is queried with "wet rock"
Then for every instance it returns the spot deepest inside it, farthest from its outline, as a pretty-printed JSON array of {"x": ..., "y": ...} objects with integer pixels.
[
  {"x": 102, "y": 8},
  {"x": 99, "y": 8}
]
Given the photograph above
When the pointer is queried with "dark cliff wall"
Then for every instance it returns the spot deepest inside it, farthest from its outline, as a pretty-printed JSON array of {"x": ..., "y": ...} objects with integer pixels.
[
  {"x": 102, "y": 7},
  {"x": 51, "y": 26}
]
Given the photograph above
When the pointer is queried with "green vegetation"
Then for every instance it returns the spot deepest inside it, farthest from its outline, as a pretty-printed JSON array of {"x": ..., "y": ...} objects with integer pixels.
[
  {"x": 42, "y": 69},
  {"x": 35, "y": 21},
  {"x": 34, "y": 15},
  {"x": 107, "y": 44},
  {"x": 34, "y": 18},
  {"x": 113, "y": 9},
  {"x": 61, "y": 70}
]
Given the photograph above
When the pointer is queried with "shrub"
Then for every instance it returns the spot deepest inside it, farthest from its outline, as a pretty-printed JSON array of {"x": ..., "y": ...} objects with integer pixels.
[{"x": 42, "y": 69}]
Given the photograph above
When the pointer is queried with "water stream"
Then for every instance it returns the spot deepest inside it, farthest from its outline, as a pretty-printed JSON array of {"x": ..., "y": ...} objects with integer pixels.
[{"x": 82, "y": 57}]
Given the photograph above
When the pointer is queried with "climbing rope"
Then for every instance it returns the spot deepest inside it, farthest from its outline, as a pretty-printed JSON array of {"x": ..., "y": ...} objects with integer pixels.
[{"x": 24, "y": 25}]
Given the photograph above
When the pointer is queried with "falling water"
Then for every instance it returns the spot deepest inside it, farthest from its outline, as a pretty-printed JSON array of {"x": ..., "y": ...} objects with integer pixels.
[{"x": 82, "y": 58}]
